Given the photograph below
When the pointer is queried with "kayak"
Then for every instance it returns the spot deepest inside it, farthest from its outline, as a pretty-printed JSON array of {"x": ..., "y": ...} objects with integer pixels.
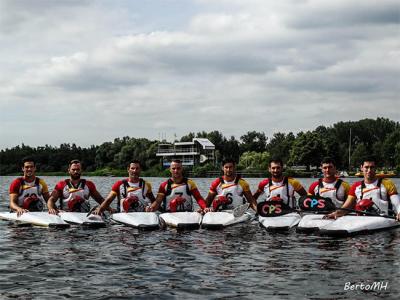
[
  {"x": 182, "y": 220},
  {"x": 312, "y": 222},
  {"x": 280, "y": 223},
  {"x": 78, "y": 218},
  {"x": 42, "y": 219},
  {"x": 218, "y": 220},
  {"x": 141, "y": 220},
  {"x": 353, "y": 225}
]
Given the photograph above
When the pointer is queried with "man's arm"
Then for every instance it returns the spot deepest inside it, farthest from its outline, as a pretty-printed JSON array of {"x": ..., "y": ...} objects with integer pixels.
[
  {"x": 157, "y": 202},
  {"x": 249, "y": 197},
  {"x": 105, "y": 204},
  {"x": 14, "y": 205},
  {"x": 51, "y": 206},
  {"x": 349, "y": 203}
]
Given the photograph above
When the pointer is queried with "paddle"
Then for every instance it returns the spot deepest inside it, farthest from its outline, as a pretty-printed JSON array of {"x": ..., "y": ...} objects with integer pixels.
[
  {"x": 240, "y": 210},
  {"x": 366, "y": 213},
  {"x": 316, "y": 204},
  {"x": 273, "y": 208}
]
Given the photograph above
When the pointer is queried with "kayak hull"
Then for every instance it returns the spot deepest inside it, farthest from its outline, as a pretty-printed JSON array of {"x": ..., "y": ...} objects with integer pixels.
[
  {"x": 78, "y": 218},
  {"x": 280, "y": 223},
  {"x": 354, "y": 225},
  {"x": 140, "y": 220},
  {"x": 219, "y": 220},
  {"x": 182, "y": 220},
  {"x": 310, "y": 223},
  {"x": 41, "y": 219}
]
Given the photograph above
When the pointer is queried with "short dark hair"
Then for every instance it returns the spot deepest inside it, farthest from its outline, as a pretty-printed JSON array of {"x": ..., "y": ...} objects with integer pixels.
[
  {"x": 228, "y": 160},
  {"x": 368, "y": 158},
  {"x": 135, "y": 161},
  {"x": 28, "y": 159},
  {"x": 177, "y": 161},
  {"x": 328, "y": 160},
  {"x": 275, "y": 160},
  {"x": 74, "y": 161}
]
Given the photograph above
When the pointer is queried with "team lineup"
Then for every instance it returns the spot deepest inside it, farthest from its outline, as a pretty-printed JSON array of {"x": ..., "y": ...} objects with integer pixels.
[{"x": 372, "y": 195}]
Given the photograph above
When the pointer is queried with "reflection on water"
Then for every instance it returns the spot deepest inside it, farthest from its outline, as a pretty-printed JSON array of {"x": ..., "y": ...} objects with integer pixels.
[{"x": 243, "y": 261}]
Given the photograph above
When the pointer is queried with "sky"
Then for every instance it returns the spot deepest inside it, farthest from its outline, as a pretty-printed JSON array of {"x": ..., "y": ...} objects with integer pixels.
[{"x": 86, "y": 72}]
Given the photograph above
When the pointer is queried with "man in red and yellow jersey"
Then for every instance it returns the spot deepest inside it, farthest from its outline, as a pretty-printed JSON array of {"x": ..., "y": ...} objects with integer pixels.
[
  {"x": 330, "y": 186},
  {"x": 134, "y": 193},
  {"x": 74, "y": 192},
  {"x": 229, "y": 190},
  {"x": 27, "y": 193},
  {"x": 176, "y": 193},
  {"x": 379, "y": 194},
  {"x": 279, "y": 187}
]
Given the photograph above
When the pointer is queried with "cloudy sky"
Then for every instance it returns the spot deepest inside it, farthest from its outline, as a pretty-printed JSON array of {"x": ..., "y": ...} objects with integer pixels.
[{"x": 89, "y": 71}]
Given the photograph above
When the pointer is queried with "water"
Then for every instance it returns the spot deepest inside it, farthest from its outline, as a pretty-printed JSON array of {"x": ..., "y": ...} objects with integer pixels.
[{"x": 242, "y": 262}]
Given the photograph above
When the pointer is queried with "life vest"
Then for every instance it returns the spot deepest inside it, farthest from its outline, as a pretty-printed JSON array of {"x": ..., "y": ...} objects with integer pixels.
[
  {"x": 75, "y": 198},
  {"x": 382, "y": 205},
  {"x": 185, "y": 202},
  {"x": 228, "y": 197},
  {"x": 132, "y": 197},
  {"x": 281, "y": 192},
  {"x": 30, "y": 196},
  {"x": 332, "y": 194}
]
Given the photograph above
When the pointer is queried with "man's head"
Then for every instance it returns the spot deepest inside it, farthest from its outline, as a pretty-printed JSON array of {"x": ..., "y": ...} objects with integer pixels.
[
  {"x": 229, "y": 167},
  {"x": 28, "y": 166},
  {"x": 276, "y": 168},
  {"x": 328, "y": 167},
  {"x": 368, "y": 167},
  {"x": 176, "y": 169},
  {"x": 75, "y": 169},
  {"x": 134, "y": 169}
]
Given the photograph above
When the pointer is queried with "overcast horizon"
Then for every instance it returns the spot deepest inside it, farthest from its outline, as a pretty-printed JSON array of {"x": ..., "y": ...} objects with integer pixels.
[{"x": 86, "y": 72}]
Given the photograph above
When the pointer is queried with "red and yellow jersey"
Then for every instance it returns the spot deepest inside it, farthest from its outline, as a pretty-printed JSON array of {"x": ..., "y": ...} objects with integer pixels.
[
  {"x": 24, "y": 189},
  {"x": 336, "y": 190},
  {"x": 283, "y": 189},
  {"x": 125, "y": 188},
  {"x": 233, "y": 190}
]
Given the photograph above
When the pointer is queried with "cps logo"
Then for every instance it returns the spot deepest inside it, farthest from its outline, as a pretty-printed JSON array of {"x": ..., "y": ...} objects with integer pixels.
[
  {"x": 271, "y": 209},
  {"x": 314, "y": 203}
]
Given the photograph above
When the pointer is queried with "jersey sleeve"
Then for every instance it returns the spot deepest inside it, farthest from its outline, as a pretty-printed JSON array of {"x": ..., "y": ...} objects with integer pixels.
[
  {"x": 148, "y": 187},
  {"x": 196, "y": 194},
  {"x": 91, "y": 186},
  {"x": 262, "y": 185},
  {"x": 115, "y": 187},
  {"x": 311, "y": 189},
  {"x": 45, "y": 188},
  {"x": 352, "y": 191},
  {"x": 390, "y": 187},
  {"x": 346, "y": 187},
  {"x": 60, "y": 186},
  {"x": 15, "y": 186},
  {"x": 214, "y": 185},
  {"x": 162, "y": 188},
  {"x": 245, "y": 185}
]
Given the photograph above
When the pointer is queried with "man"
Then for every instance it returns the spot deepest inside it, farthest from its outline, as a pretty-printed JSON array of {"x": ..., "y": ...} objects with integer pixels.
[
  {"x": 133, "y": 193},
  {"x": 279, "y": 187},
  {"x": 330, "y": 186},
  {"x": 379, "y": 194},
  {"x": 227, "y": 192},
  {"x": 74, "y": 192},
  {"x": 176, "y": 193},
  {"x": 27, "y": 193}
]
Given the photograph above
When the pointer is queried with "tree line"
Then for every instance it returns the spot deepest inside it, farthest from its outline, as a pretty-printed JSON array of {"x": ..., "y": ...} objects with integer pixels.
[{"x": 379, "y": 137}]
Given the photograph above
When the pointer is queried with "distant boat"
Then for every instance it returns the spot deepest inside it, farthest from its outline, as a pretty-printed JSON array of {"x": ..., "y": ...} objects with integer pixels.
[
  {"x": 381, "y": 174},
  {"x": 343, "y": 174}
]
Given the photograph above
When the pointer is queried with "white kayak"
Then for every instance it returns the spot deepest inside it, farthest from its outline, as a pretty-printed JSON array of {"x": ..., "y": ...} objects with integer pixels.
[
  {"x": 218, "y": 220},
  {"x": 280, "y": 223},
  {"x": 79, "y": 218},
  {"x": 182, "y": 220},
  {"x": 312, "y": 223},
  {"x": 43, "y": 219},
  {"x": 141, "y": 220},
  {"x": 352, "y": 225}
]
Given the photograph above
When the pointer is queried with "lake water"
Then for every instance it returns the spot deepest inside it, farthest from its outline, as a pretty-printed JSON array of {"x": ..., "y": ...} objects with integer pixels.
[{"x": 242, "y": 262}]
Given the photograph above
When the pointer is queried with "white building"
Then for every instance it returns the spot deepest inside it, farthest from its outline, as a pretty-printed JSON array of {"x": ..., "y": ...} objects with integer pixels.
[{"x": 193, "y": 153}]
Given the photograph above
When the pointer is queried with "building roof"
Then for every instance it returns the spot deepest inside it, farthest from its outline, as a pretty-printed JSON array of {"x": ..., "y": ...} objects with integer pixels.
[{"x": 205, "y": 143}]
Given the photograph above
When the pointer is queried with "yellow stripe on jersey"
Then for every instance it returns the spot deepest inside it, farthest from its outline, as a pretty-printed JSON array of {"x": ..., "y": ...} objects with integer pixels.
[
  {"x": 295, "y": 184},
  {"x": 389, "y": 186},
  {"x": 191, "y": 185},
  {"x": 244, "y": 184}
]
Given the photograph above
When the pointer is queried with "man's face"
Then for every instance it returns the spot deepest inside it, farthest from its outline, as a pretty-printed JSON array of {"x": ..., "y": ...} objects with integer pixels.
[
  {"x": 75, "y": 171},
  {"x": 369, "y": 170},
  {"x": 29, "y": 169},
  {"x": 229, "y": 169},
  {"x": 134, "y": 170},
  {"x": 275, "y": 169},
  {"x": 328, "y": 170},
  {"x": 176, "y": 170}
]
